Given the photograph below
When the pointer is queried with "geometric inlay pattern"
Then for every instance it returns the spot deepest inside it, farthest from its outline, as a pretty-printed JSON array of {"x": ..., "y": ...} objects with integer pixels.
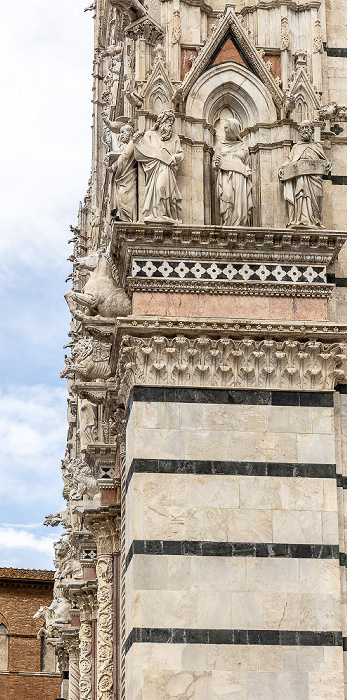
[{"x": 228, "y": 271}]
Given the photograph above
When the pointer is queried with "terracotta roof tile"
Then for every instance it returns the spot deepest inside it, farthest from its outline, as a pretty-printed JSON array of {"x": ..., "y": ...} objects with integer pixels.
[{"x": 40, "y": 574}]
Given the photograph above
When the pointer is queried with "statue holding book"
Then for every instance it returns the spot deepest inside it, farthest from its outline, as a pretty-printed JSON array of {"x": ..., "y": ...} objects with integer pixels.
[
  {"x": 159, "y": 152},
  {"x": 302, "y": 175}
]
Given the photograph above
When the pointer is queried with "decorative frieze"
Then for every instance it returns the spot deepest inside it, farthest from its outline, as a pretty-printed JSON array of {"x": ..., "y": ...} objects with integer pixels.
[
  {"x": 214, "y": 276},
  {"x": 245, "y": 363},
  {"x": 212, "y": 270}
]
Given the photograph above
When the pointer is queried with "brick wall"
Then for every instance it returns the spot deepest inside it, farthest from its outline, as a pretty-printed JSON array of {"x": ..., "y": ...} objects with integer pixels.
[{"x": 21, "y": 595}]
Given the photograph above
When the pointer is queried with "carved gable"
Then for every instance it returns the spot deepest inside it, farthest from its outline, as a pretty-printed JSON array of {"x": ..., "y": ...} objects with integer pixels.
[
  {"x": 231, "y": 43},
  {"x": 159, "y": 89}
]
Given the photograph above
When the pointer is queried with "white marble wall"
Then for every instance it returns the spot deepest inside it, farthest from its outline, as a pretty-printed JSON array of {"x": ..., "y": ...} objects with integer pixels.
[{"x": 239, "y": 592}]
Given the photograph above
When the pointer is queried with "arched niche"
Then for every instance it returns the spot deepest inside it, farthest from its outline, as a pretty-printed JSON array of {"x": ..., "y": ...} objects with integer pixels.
[
  {"x": 3, "y": 647},
  {"x": 233, "y": 85},
  {"x": 227, "y": 90}
]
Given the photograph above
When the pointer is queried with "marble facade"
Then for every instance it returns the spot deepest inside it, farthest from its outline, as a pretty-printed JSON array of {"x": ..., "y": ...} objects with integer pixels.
[{"x": 204, "y": 546}]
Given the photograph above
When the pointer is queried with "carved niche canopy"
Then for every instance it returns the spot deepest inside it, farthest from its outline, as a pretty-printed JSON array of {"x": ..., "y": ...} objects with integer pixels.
[{"x": 230, "y": 27}]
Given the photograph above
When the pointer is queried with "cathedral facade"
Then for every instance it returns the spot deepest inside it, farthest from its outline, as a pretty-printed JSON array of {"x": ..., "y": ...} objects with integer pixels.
[{"x": 204, "y": 547}]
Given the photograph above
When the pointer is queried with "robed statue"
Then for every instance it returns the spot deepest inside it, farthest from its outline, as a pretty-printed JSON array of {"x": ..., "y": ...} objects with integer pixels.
[
  {"x": 159, "y": 151},
  {"x": 301, "y": 175},
  {"x": 233, "y": 186},
  {"x": 122, "y": 169}
]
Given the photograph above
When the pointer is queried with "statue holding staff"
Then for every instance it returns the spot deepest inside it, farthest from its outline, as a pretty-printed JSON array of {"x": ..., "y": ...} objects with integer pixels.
[
  {"x": 233, "y": 187},
  {"x": 301, "y": 175}
]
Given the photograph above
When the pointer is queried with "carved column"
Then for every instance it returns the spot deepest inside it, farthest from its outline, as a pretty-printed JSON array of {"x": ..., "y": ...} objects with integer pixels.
[
  {"x": 63, "y": 661},
  {"x": 85, "y": 639},
  {"x": 104, "y": 526},
  {"x": 285, "y": 52},
  {"x": 74, "y": 673}
]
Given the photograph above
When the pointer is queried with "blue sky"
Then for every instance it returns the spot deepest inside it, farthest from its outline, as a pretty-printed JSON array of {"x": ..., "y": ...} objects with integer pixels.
[{"x": 46, "y": 53}]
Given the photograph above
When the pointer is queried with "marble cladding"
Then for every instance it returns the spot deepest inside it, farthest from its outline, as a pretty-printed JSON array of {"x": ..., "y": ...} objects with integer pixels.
[
  {"x": 230, "y": 432},
  {"x": 229, "y": 306},
  {"x": 235, "y": 593},
  {"x": 232, "y": 509},
  {"x": 158, "y": 672},
  {"x": 238, "y": 592}
]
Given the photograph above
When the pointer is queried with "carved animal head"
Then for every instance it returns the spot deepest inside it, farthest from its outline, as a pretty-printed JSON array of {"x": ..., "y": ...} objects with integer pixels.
[
  {"x": 42, "y": 611},
  {"x": 89, "y": 262}
]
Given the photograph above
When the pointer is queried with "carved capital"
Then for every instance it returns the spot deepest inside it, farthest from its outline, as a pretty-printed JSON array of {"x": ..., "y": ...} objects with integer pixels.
[
  {"x": 230, "y": 363},
  {"x": 105, "y": 525}
]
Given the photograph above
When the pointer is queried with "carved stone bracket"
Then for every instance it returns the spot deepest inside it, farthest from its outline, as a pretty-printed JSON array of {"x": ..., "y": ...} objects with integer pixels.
[{"x": 244, "y": 363}]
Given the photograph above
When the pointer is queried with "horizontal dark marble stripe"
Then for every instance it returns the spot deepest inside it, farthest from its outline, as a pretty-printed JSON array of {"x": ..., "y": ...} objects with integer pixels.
[
  {"x": 232, "y": 549},
  {"x": 241, "y": 637},
  {"x": 336, "y": 179},
  {"x": 250, "y": 397},
  {"x": 336, "y": 52},
  {"x": 224, "y": 468}
]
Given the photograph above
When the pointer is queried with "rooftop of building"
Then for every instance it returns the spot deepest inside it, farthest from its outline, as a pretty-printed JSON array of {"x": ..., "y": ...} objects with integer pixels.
[{"x": 26, "y": 574}]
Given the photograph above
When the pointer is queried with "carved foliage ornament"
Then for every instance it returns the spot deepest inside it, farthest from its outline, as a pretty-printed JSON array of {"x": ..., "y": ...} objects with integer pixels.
[{"x": 245, "y": 363}]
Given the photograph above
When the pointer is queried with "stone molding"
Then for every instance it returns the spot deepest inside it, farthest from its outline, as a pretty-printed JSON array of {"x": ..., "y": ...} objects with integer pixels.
[
  {"x": 252, "y": 288},
  {"x": 229, "y": 363},
  {"x": 145, "y": 326}
]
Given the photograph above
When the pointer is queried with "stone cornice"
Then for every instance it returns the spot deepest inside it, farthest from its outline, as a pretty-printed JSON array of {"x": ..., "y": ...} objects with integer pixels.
[
  {"x": 252, "y": 244},
  {"x": 272, "y": 4},
  {"x": 246, "y": 363}
]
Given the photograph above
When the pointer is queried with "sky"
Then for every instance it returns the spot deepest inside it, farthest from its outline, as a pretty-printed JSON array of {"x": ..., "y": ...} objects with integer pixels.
[{"x": 46, "y": 51}]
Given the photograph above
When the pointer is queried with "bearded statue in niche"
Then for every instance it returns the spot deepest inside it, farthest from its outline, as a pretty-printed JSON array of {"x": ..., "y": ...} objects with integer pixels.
[
  {"x": 301, "y": 175},
  {"x": 159, "y": 151},
  {"x": 233, "y": 185}
]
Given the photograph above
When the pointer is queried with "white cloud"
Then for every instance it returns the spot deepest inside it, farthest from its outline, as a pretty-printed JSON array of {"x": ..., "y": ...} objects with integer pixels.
[
  {"x": 32, "y": 438},
  {"x": 11, "y": 538}
]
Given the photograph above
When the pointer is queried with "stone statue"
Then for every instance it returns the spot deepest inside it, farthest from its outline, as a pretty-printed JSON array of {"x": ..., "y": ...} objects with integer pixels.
[
  {"x": 65, "y": 561},
  {"x": 123, "y": 171},
  {"x": 301, "y": 175},
  {"x": 233, "y": 187},
  {"x": 87, "y": 419},
  {"x": 94, "y": 228},
  {"x": 89, "y": 360},
  {"x": 102, "y": 295},
  {"x": 160, "y": 153},
  {"x": 58, "y": 613},
  {"x": 82, "y": 480}
]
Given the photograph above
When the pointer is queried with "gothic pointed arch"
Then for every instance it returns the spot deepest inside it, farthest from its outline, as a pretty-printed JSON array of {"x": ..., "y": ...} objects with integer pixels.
[
  {"x": 235, "y": 86},
  {"x": 243, "y": 53}
]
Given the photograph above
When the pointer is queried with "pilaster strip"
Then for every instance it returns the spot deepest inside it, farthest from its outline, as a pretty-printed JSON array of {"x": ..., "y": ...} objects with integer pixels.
[
  {"x": 238, "y": 637},
  {"x": 234, "y": 549}
]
